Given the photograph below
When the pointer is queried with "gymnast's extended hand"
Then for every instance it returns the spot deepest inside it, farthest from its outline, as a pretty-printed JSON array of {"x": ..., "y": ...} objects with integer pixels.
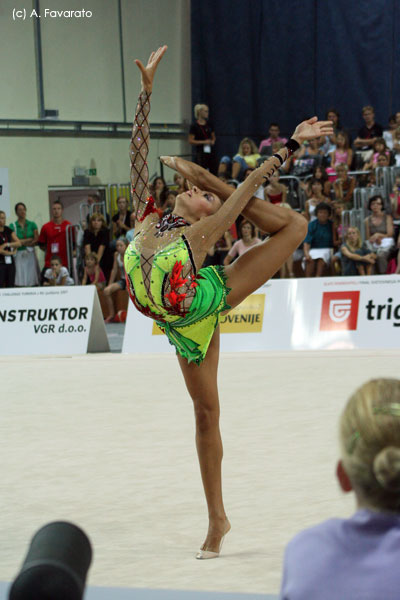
[
  {"x": 149, "y": 70},
  {"x": 312, "y": 128}
]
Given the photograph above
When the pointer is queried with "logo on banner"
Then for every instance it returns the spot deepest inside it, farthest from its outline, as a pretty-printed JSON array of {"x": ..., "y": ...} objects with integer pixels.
[{"x": 339, "y": 310}]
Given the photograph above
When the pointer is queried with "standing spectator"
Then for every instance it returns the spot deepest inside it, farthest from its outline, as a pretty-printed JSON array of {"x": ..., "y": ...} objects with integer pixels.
[
  {"x": 57, "y": 274},
  {"x": 94, "y": 201},
  {"x": 274, "y": 136},
  {"x": 344, "y": 186},
  {"x": 343, "y": 153},
  {"x": 275, "y": 192},
  {"x": 202, "y": 138},
  {"x": 93, "y": 274},
  {"x": 355, "y": 258},
  {"x": 8, "y": 249},
  {"x": 121, "y": 220},
  {"x": 248, "y": 239},
  {"x": 247, "y": 156},
  {"x": 356, "y": 558},
  {"x": 368, "y": 133},
  {"x": 320, "y": 240},
  {"x": 117, "y": 278},
  {"x": 53, "y": 238},
  {"x": 379, "y": 232},
  {"x": 97, "y": 239},
  {"x": 26, "y": 263}
]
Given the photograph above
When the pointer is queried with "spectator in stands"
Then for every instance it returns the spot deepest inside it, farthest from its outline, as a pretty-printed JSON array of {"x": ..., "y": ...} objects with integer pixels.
[
  {"x": 316, "y": 197},
  {"x": 304, "y": 161},
  {"x": 217, "y": 254},
  {"x": 369, "y": 132},
  {"x": 95, "y": 203},
  {"x": 274, "y": 136},
  {"x": 383, "y": 160},
  {"x": 275, "y": 192},
  {"x": 53, "y": 238},
  {"x": 159, "y": 191},
  {"x": 8, "y": 250},
  {"x": 379, "y": 233},
  {"x": 338, "y": 208},
  {"x": 247, "y": 240},
  {"x": 57, "y": 274},
  {"x": 181, "y": 183},
  {"x": 319, "y": 173},
  {"x": 356, "y": 557},
  {"x": 319, "y": 242},
  {"x": 396, "y": 146},
  {"x": 121, "y": 222},
  {"x": 117, "y": 278},
  {"x": 26, "y": 264},
  {"x": 328, "y": 145},
  {"x": 344, "y": 186},
  {"x": 343, "y": 154},
  {"x": 96, "y": 240},
  {"x": 395, "y": 199},
  {"x": 169, "y": 204},
  {"x": 93, "y": 274},
  {"x": 379, "y": 147},
  {"x": 247, "y": 156},
  {"x": 356, "y": 259},
  {"x": 388, "y": 133},
  {"x": 131, "y": 233},
  {"x": 202, "y": 137}
]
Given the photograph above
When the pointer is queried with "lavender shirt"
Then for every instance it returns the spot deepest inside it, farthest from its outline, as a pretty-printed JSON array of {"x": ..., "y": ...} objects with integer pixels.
[{"x": 345, "y": 559}]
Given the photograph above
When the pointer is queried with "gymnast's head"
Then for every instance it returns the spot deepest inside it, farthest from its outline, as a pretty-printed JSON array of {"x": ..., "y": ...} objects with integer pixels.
[
  {"x": 370, "y": 445},
  {"x": 195, "y": 204}
]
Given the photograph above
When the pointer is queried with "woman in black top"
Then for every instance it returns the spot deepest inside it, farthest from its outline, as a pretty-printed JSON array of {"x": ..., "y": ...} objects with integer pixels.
[
  {"x": 8, "y": 249},
  {"x": 202, "y": 137},
  {"x": 96, "y": 239}
]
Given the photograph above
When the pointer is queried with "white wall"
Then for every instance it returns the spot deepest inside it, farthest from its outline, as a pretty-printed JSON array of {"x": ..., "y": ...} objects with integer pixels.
[{"x": 82, "y": 79}]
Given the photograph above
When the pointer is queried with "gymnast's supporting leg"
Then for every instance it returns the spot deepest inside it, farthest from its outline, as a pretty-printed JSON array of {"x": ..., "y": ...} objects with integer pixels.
[{"x": 201, "y": 382}]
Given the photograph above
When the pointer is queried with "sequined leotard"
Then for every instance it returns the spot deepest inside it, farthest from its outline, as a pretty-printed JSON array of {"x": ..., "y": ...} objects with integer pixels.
[{"x": 161, "y": 274}]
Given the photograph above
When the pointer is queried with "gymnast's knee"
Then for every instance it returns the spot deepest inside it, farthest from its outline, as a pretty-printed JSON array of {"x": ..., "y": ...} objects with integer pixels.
[{"x": 207, "y": 417}]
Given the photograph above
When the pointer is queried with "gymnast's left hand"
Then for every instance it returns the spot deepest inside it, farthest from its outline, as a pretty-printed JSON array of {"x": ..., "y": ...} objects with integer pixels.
[
  {"x": 149, "y": 70},
  {"x": 312, "y": 128}
]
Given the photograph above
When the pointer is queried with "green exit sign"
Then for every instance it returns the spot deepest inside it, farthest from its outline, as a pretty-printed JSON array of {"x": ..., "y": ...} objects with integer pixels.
[{"x": 92, "y": 171}]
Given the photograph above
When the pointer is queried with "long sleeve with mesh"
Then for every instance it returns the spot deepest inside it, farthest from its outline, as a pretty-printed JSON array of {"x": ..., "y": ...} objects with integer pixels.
[{"x": 138, "y": 151}]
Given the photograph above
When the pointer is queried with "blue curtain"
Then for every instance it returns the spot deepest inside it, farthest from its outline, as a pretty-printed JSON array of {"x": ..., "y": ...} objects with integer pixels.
[{"x": 259, "y": 61}]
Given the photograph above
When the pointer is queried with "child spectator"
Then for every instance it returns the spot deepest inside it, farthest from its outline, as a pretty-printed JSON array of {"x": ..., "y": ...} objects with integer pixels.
[
  {"x": 92, "y": 273},
  {"x": 316, "y": 197},
  {"x": 319, "y": 242},
  {"x": 26, "y": 263},
  {"x": 169, "y": 204},
  {"x": 248, "y": 239},
  {"x": 356, "y": 557},
  {"x": 343, "y": 153},
  {"x": 56, "y": 274},
  {"x": 97, "y": 239},
  {"x": 247, "y": 156},
  {"x": 275, "y": 192},
  {"x": 383, "y": 160},
  {"x": 344, "y": 186},
  {"x": 117, "y": 273},
  {"x": 379, "y": 147},
  {"x": 396, "y": 146},
  {"x": 355, "y": 258},
  {"x": 379, "y": 232},
  {"x": 8, "y": 249}
]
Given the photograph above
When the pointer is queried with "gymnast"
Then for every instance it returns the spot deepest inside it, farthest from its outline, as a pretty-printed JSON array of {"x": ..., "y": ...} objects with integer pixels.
[{"x": 166, "y": 282}]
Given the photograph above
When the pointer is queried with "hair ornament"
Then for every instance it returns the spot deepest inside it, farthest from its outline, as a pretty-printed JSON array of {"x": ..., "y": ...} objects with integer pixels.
[{"x": 392, "y": 409}]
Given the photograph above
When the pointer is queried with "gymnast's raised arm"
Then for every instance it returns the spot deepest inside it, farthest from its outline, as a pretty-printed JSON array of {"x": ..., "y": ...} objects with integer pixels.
[{"x": 139, "y": 146}]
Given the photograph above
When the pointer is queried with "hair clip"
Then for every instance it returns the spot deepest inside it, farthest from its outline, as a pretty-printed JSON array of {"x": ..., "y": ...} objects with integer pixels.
[
  {"x": 353, "y": 441},
  {"x": 392, "y": 409}
]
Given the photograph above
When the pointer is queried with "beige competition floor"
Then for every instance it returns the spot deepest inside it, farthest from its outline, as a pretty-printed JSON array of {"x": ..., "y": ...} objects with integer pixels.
[{"x": 107, "y": 442}]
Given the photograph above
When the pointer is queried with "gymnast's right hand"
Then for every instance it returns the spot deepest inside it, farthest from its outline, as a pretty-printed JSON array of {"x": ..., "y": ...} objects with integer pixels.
[{"x": 149, "y": 70}]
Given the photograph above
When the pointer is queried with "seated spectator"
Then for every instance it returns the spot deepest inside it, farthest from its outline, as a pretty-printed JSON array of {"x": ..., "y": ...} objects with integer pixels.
[
  {"x": 344, "y": 186},
  {"x": 27, "y": 272},
  {"x": 53, "y": 238},
  {"x": 316, "y": 197},
  {"x": 319, "y": 173},
  {"x": 274, "y": 136},
  {"x": 131, "y": 233},
  {"x": 396, "y": 146},
  {"x": 275, "y": 192},
  {"x": 56, "y": 274},
  {"x": 217, "y": 254},
  {"x": 355, "y": 258},
  {"x": 96, "y": 239},
  {"x": 368, "y": 133},
  {"x": 379, "y": 233},
  {"x": 93, "y": 275},
  {"x": 343, "y": 154},
  {"x": 121, "y": 220},
  {"x": 169, "y": 204},
  {"x": 356, "y": 557},
  {"x": 248, "y": 239},
  {"x": 379, "y": 147},
  {"x": 395, "y": 198},
  {"x": 383, "y": 160},
  {"x": 388, "y": 133},
  {"x": 247, "y": 156},
  {"x": 181, "y": 183},
  {"x": 319, "y": 242},
  {"x": 117, "y": 278},
  {"x": 304, "y": 161},
  {"x": 338, "y": 208},
  {"x": 159, "y": 191},
  {"x": 8, "y": 250},
  {"x": 202, "y": 138}
]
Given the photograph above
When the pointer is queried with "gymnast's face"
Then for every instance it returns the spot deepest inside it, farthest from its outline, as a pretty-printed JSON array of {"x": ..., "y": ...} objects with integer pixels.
[{"x": 198, "y": 203}]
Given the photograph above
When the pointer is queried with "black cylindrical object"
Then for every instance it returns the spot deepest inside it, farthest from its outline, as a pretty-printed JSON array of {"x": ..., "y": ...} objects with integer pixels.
[{"x": 56, "y": 565}]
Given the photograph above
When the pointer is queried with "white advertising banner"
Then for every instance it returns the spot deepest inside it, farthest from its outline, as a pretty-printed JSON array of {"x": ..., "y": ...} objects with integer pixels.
[
  {"x": 5, "y": 194},
  {"x": 51, "y": 320},
  {"x": 297, "y": 314}
]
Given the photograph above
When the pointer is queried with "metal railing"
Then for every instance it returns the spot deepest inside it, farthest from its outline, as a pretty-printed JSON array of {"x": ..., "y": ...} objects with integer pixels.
[
  {"x": 74, "y": 238},
  {"x": 353, "y": 218}
]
